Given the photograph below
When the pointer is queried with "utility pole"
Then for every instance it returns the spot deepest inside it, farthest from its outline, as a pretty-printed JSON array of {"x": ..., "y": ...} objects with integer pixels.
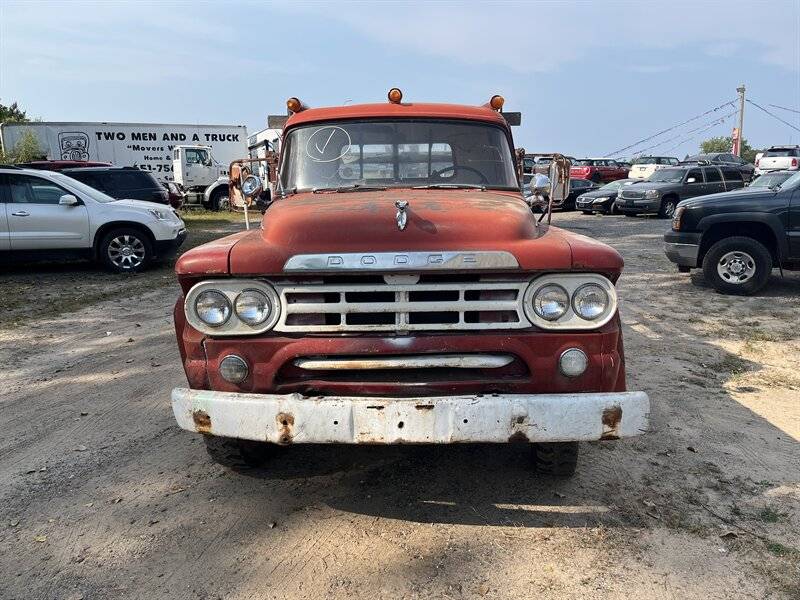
[{"x": 740, "y": 89}]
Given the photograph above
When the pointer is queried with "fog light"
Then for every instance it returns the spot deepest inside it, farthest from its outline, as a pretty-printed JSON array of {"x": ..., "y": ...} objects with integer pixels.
[
  {"x": 573, "y": 362},
  {"x": 233, "y": 369}
]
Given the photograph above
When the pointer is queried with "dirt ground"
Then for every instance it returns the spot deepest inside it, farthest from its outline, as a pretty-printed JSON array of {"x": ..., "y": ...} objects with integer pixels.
[{"x": 102, "y": 496}]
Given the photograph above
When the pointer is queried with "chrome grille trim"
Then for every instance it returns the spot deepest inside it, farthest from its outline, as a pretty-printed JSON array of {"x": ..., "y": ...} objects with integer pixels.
[
  {"x": 402, "y": 261},
  {"x": 402, "y": 309},
  {"x": 413, "y": 361}
]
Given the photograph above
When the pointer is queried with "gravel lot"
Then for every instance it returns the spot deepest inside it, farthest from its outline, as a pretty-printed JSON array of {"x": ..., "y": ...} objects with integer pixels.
[{"x": 103, "y": 497}]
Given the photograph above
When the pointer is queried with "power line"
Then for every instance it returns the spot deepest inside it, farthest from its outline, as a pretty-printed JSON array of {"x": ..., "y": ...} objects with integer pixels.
[
  {"x": 703, "y": 127},
  {"x": 697, "y": 135},
  {"x": 784, "y": 108},
  {"x": 773, "y": 116},
  {"x": 655, "y": 135}
]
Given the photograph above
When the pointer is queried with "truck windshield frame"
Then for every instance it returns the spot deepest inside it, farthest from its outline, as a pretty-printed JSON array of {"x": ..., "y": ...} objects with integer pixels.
[{"x": 398, "y": 153}]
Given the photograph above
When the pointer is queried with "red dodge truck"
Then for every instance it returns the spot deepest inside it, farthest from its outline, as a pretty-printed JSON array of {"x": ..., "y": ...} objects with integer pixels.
[{"x": 401, "y": 290}]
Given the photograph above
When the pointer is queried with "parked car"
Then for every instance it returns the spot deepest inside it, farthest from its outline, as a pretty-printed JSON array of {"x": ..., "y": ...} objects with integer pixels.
[
  {"x": 624, "y": 164},
  {"x": 539, "y": 164},
  {"x": 778, "y": 158},
  {"x": 122, "y": 182},
  {"x": 644, "y": 166},
  {"x": 738, "y": 238},
  {"x": 49, "y": 215},
  {"x": 666, "y": 187},
  {"x": 721, "y": 159},
  {"x": 60, "y": 165},
  {"x": 599, "y": 170},
  {"x": 771, "y": 179},
  {"x": 174, "y": 193},
  {"x": 602, "y": 199},
  {"x": 576, "y": 188}
]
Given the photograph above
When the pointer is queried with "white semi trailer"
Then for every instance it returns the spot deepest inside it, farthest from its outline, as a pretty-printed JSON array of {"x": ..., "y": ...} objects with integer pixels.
[{"x": 196, "y": 157}]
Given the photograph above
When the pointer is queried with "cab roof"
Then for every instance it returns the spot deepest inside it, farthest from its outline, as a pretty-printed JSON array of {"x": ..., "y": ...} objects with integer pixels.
[{"x": 390, "y": 110}]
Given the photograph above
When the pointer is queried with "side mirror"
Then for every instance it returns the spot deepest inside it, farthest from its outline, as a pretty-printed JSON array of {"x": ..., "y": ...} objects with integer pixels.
[
  {"x": 68, "y": 200},
  {"x": 540, "y": 184},
  {"x": 691, "y": 180},
  {"x": 559, "y": 178}
]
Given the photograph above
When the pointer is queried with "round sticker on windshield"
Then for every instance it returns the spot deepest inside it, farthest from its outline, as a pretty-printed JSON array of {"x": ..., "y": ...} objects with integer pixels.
[{"x": 328, "y": 144}]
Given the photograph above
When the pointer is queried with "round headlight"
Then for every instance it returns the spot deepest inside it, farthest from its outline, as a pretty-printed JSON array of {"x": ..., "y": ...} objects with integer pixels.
[
  {"x": 212, "y": 308},
  {"x": 233, "y": 368},
  {"x": 251, "y": 186},
  {"x": 550, "y": 302},
  {"x": 590, "y": 301},
  {"x": 252, "y": 307}
]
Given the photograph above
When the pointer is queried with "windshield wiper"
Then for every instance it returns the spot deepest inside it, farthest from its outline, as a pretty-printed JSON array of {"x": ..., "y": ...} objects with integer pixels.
[
  {"x": 451, "y": 186},
  {"x": 356, "y": 187}
]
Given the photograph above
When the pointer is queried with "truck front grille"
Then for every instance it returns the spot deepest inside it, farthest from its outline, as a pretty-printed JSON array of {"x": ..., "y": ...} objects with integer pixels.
[{"x": 393, "y": 306}]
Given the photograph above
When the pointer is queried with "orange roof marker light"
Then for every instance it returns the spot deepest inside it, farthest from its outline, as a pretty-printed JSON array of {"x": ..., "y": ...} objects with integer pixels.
[
  {"x": 496, "y": 102},
  {"x": 395, "y": 95},
  {"x": 294, "y": 105}
]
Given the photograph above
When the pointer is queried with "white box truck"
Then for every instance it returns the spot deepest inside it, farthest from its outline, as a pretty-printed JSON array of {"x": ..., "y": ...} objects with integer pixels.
[{"x": 196, "y": 157}]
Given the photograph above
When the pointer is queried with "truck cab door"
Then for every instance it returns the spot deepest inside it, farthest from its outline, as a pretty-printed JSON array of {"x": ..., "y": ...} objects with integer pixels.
[
  {"x": 36, "y": 219},
  {"x": 714, "y": 184},
  {"x": 199, "y": 168}
]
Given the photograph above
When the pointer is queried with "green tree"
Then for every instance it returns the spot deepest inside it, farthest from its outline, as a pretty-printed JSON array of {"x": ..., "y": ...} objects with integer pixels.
[
  {"x": 26, "y": 149},
  {"x": 724, "y": 144},
  {"x": 12, "y": 114}
]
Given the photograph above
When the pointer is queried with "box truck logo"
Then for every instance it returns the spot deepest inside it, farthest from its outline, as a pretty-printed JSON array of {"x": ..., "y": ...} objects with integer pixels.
[{"x": 74, "y": 145}]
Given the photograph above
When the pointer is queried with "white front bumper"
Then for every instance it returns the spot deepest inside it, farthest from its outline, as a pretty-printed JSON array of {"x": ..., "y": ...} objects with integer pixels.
[{"x": 294, "y": 418}]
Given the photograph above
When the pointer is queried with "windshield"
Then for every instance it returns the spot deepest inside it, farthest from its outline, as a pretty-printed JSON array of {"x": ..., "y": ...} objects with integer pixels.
[
  {"x": 668, "y": 176},
  {"x": 94, "y": 194},
  {"x": 644, "y": 160},
  {"x": 769, "y": 180},
  {"x": 405, "y": 153},
  {"x": 784, "y": 152},
  {"x": 582, "y": 162},
  {"x": 614, "y": 185},
  {"x": 793, "y": 181}
]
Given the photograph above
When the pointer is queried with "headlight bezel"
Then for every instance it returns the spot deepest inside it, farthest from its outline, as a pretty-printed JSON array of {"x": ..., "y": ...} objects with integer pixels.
[
  {"x": 231, "y": 289},
  {"x": 571, "y": 282},
  {"x": 652, "y": 194}
]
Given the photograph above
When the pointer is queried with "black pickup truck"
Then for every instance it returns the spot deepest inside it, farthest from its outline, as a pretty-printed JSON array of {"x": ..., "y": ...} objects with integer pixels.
[{"x": 738, "y": 237}]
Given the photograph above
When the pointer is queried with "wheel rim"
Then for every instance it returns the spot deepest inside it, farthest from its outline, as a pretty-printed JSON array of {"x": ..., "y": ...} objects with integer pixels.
[
  {"x": 223, "y": 202},
  {"x": 669, "y": 208},
  {"x": 736, "y": 267},
  {"x": 126, "y": 251}
]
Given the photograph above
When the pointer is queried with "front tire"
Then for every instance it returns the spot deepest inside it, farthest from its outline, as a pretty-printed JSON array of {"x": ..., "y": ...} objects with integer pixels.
[
  {"x": 125, "y": 250},
  {"x": 555, "y": 459},
  {"x": 219, "y": 199},
  {"x": 737, "y": 265},
  {"x": 667, "y": 208}
]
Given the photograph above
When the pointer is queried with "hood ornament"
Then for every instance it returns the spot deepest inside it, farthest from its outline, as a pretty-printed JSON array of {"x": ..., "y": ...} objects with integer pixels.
[{"x": 402, "y": 215}]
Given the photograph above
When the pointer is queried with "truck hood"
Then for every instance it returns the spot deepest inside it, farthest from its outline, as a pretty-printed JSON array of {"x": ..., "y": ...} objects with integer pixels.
[
  {"x": 438, "y": 220},
  {"x": 738, "y": 195}
]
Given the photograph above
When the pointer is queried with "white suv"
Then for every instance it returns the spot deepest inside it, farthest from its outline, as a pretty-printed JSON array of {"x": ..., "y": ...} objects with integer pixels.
[
  {"x": 778, "y": 158},
  {"x": 644, "y": 166},
  {"x": 43, "y": 214}
]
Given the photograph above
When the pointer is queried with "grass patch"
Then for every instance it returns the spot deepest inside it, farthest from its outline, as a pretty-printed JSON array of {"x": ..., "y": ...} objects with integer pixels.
[
  {"x": 769, "y": 515},
  {"x": 779, "y": 549}
]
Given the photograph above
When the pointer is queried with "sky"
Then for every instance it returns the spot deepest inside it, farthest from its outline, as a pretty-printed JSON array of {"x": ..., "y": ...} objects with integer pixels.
[{"x": 590, "y": 78}]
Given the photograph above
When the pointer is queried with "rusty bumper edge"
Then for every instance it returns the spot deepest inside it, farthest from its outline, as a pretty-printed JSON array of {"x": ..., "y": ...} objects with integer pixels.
[{"x": 293, "y": 418}]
